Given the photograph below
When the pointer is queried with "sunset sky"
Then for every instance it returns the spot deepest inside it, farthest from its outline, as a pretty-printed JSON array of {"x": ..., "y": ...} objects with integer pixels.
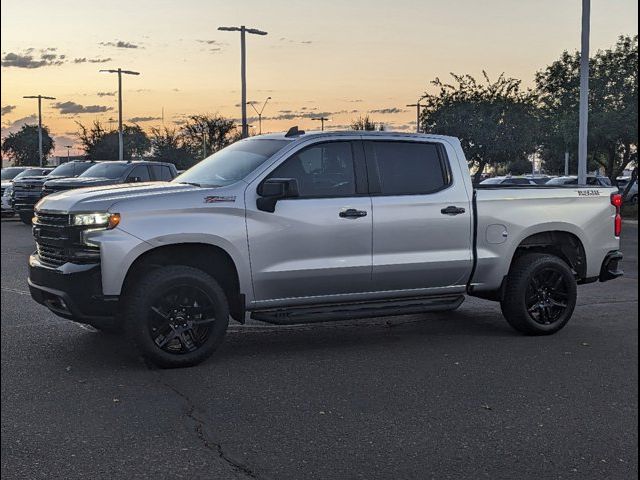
[{"x": 341, "y": 59}]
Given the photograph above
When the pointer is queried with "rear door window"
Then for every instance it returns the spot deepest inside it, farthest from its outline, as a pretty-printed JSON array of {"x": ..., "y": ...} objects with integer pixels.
[{"x": 407, "y": 168}]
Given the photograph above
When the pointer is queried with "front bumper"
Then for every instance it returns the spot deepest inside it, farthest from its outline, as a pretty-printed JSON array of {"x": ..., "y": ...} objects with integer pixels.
[
  {"x": 71, "y": 291},
  {"x": 611, "y": 266}
]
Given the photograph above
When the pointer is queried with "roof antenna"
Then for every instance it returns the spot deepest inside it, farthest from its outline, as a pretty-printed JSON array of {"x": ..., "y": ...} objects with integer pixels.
[{"x": 294, "y": 132}]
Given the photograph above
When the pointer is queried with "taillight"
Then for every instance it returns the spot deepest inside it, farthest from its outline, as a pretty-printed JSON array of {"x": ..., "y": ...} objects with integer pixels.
[{"x": 616, "y": 201}]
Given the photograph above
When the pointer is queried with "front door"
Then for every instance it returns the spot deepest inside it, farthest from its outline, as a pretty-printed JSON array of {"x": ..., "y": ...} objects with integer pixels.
[{"x": 314, "y": 245}]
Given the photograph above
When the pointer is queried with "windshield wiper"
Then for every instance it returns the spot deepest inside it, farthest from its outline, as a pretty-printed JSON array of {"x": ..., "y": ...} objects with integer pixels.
[{"x": 191, "y": 183}]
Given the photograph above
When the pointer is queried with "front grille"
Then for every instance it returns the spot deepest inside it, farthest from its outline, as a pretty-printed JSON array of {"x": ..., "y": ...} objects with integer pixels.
[
  {"x": 51, "y": 255},
  {"x": 52, "y": 219},
  {"x": 58, "y": 242},
  {"x": 2, "y": 189}
]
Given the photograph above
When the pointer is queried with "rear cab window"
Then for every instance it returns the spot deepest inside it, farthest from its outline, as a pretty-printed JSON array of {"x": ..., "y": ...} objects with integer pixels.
[{"x": 406, "y": 168}]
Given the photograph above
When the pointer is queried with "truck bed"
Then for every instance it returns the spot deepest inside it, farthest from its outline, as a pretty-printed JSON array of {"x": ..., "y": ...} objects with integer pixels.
[{"x": 506, "y": 215}]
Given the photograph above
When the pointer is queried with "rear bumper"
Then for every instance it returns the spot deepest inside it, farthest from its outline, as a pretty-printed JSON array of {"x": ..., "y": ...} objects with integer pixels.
[
  {"x": 71, "y": 291},
  {"x": 611, "y": 267}
]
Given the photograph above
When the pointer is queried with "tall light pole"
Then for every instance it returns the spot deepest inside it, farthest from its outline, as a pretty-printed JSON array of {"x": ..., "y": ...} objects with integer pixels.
[
  {"x": 259, "y": 113},
  {"x": 417, "y": 105},
  {"x": 321, "y": 120},
  {"x": 40, "y": 97},
  {"x": 68, "y": 147},
  {"x": 584, "y": 94},
  {"x": 119, "y": 71},
  {"x": 243, "y": 70}
]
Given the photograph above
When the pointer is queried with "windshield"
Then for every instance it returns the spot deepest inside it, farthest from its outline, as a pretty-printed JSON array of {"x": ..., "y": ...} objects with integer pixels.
[
  {"x": 11, "y": 172},
  {"x": 562, "y": 181},
  {"x": 31, "y": 172},
  {"x": 63, "y": 170},
  {"x": 106, "y": 170},
  {"x": 232, "y": 163},
  {"x": 491, "y": 181}
]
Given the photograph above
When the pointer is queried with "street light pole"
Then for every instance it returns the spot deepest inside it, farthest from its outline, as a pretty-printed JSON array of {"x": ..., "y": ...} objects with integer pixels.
[
  {"x": 321, "y": 120},
  {"x": 40, "y": 97},
  {"x": 119, "y": 71},
  {"x": 259, "y": 113},
  {"x": 417, "y": 105},
  {"x": 243, "y": 70},
  {"x": 584, "y": 94},
  {"x": 68, "y": 147}
]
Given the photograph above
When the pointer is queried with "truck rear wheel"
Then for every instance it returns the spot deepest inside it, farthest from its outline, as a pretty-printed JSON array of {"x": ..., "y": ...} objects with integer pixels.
[
  {"x": 540, "y": 294},
  {"x": 26, "y": 217},
  {"x": 176, "y": 315}
]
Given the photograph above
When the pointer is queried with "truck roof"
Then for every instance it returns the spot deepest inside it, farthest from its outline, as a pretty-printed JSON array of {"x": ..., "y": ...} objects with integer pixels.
[{"x": 364, "y": 133}]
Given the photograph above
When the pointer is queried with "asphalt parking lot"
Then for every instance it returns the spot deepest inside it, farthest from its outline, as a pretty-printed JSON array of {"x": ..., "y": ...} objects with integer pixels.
[{"x": 456, "y": 395}]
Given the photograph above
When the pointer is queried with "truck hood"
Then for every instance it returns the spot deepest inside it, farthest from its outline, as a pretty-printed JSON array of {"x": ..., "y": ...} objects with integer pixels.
[
  {"x": 101, "y": 198},
  {"x": 79, "y": 182},
  {"x": 36, "y": 180}
]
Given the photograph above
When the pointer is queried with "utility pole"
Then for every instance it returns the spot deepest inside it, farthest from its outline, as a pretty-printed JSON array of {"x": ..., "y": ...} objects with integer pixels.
[
  {"x": 417, "y": 105},
  {"x": 584, "y": 94},
  {"x": 321, "y": 120},
  {"x": 204, "y": 143},
  {"x": 68, "y": 147},
  {"x": 40, "y": 97},
  {"x": 243, "y": 69},
  {"x": 566, "y": 164},
  {"x": 119, "y": 71},
  {"x": 259, "y": 113}
]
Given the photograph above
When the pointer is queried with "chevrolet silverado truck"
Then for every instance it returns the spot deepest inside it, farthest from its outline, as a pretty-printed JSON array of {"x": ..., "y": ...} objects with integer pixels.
[
  {"x": 112, "y": 173},
  {"x": 294, "y": 228},
  {"x": 12, "y": 174},
  {"x": 26, "y": 192}
]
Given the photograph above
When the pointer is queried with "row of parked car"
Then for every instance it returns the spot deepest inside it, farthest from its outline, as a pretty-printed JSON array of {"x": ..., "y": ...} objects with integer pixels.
[
  {"x": 23, "y": 187},
  {"x": 595, "y": 180}
]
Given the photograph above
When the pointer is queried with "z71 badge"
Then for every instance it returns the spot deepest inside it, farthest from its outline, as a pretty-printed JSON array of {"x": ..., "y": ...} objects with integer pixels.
[
  {"x": 588, "y": 193},
  {"x": 220, "y": 199}
]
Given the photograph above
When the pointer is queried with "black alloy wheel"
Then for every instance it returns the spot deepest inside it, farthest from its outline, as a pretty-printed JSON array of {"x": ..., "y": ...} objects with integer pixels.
[
  {"x": 179, "y": 319},
  {"x": 540, "y": 294}
]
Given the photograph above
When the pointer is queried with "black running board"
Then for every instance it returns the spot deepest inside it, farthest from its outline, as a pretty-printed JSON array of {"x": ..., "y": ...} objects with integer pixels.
[{"x": 347, "y": 311}]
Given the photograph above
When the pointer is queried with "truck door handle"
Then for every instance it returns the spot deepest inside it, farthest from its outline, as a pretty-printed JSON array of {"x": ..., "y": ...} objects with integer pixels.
[
  {"x": 352, "y": 213},
  {"x": 452, "y": 210}
]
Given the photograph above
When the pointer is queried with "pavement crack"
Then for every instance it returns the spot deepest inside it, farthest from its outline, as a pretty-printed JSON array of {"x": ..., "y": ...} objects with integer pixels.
[{"x": 217, "y": 448}]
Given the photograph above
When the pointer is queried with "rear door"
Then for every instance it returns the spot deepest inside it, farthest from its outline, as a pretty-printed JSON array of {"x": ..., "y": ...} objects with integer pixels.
[
  {"x": 310, "y": 246},
  {"x": 421, "y": 217}
]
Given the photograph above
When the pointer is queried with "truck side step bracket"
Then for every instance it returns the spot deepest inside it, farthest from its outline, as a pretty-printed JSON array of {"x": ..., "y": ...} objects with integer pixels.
[{"x": 347, "y": 311}]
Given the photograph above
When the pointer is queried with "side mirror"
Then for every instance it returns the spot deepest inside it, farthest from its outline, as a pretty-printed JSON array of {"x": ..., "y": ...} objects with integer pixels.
[
  {"x": 274, "y": 189},
  {"x": 134, "y": 179}
]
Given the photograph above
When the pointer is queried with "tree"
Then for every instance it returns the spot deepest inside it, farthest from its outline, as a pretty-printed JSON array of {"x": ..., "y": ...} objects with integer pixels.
[
  {"x": 213, "y": 132},
  {"x": 613, "y": 108},
  {"x": 495, "y": 121},
  {"x": 167, "y": 145},
  {"x": 101, "y": 144},
  {"x": 22, "y": 146},
  {"x": 365, "y": 123}
]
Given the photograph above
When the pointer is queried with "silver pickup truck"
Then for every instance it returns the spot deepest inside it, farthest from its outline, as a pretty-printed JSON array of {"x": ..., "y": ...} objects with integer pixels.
[{"x": 296, "y": 227}]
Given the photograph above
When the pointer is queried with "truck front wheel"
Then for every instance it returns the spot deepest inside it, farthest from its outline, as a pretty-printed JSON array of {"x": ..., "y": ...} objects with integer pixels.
[
  {"x": 540, "y": 294},
  {"x": 176, "y": 315}
]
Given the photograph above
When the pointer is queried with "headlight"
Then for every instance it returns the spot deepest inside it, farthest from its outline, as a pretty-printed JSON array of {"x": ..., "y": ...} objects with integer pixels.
[
  {"x": 7, "y": 191},
  {"x": 106, "y": 220}
]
